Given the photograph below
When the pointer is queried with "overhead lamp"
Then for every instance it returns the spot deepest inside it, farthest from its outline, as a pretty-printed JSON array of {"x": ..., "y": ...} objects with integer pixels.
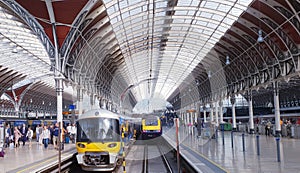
[
  {"x": 209, "y": 74},
  {"x": 14, "y": 50},
  {"x": 227, "y": 60},
  {"x": 260, "y": 39}
]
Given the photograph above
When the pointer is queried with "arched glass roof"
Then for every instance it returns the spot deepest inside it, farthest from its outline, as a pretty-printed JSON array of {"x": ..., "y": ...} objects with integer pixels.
[
  {"x": 21, "y": 50},
  {"x": 165, "y": 40}
]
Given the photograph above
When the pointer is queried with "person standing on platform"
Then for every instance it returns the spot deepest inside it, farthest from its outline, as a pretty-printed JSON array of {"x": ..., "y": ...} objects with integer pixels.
[
  {"x": 29, "y": 135},
  {"x": 41, "y": 127},
  {"x": 267, "y": 128},
  {"x": 55, "y": 136},
  {"x": 45, "y": 136},
  {"x": 69, "y": 130},
  {"x": 199, "y": 126},
  {"x": 7, "y": 135},
  {"x": 17, "y": 135},
  {"x": 24, "y": 133},
  {"x": 37, "y": 133},
  {"x": 73, "y": 133}
]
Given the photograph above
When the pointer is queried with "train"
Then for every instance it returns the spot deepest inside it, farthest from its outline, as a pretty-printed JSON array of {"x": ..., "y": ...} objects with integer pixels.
[
  {"x": 99, "y": 143},
  {"x": 151, "y": 127}
]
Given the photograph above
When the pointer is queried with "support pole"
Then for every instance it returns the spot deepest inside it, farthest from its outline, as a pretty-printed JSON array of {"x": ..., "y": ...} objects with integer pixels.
[
  {"x": 177, "y": 145},
  {"x": 123, "y": 148},
  {"x": 278, "y": 148},
  {"x": 231, "y": 139},
  {"x": 222, "y": 127},
  {"x": 257, "y": 143},
  {"x": 251, "y": 121},
  {"x": 243, "y": 140},
  {"x": 277, "y": 109}
]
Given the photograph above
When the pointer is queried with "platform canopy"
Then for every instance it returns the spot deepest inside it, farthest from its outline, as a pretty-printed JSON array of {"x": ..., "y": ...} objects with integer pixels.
[{"x": 182, "y": 51}]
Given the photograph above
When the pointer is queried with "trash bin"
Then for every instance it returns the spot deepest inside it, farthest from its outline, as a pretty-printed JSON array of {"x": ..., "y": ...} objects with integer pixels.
[{"x": 227, "y": 127}]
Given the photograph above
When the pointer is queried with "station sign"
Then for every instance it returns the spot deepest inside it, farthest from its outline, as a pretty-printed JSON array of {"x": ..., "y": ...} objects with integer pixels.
[{"x": 190, "y": 110}]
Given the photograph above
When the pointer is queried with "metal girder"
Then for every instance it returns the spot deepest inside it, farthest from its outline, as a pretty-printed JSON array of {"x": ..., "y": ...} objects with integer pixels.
[{"x": 34, "y": 25}]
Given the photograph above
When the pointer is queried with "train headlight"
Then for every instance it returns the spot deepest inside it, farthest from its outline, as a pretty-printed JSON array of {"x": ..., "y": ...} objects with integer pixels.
[
  {"x": 80, "y": 145},
  {"x": 112, "y": 145}
]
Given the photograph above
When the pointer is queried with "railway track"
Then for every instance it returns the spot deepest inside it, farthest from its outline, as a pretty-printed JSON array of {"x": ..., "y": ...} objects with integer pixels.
[{"x": 155, "y": 164}]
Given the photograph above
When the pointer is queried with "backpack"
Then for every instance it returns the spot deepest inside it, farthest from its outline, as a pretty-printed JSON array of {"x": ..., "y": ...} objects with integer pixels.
[{"x": 2, "y": 152}]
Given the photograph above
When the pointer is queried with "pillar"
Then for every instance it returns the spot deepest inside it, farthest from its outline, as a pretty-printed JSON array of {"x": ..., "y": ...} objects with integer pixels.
[
  {"x": 276, "y": 109},
  {"x": 221, "y": 111},
  {"x": 232, "y": 100},
  {"x": 217, "y": 114},
  {"x": 251, "y": 121},
  {"x": 204, "y": 114},
  {"x": 80, "y": 100},
  {"x": 197, "y": 113},
  {"x": 211, "y": 113},
  {"x": 59, "y": 93}
]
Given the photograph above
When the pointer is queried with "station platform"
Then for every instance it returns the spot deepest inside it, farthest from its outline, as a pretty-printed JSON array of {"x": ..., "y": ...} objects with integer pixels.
[
  {"x": 211, "y": 155},
  {"x": 26, "y": 159}
]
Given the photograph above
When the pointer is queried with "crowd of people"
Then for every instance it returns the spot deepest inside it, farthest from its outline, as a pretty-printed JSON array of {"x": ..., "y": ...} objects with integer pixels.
[{"x": 44, "y": 135}]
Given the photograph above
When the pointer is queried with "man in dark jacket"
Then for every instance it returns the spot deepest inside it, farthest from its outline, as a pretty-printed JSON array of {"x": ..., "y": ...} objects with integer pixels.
[
  {"x": 23, "y": 131},
  {"x": 199, "y": 126}
]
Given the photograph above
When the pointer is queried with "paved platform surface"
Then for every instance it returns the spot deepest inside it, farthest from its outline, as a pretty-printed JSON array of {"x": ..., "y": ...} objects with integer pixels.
[
  {"x": 235, "y": 160},
  {"x": 20, "y": 159}
]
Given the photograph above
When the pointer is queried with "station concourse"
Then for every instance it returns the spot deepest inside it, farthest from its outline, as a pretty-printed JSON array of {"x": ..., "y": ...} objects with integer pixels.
[{"x": 226, "y": 71}]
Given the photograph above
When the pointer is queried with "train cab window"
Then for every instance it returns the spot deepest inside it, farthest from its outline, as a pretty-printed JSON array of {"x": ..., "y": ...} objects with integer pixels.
[
  {"x": 151, "y": 122},
  {"x": 98, "y": 129}
]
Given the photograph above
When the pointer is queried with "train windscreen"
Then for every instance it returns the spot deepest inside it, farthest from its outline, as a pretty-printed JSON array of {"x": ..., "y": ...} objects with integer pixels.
[
  {"x": 98, "y": 130},
  {"x": 151, "y": 122}
]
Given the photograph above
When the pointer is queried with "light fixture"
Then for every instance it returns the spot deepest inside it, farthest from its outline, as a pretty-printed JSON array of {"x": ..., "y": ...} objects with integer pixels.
[
  {"x": 227, "y": 60},
  {"x": 260, "y": 38},
  {"x": 14, "y": 50},
  {"x": 209, "y": 74}
]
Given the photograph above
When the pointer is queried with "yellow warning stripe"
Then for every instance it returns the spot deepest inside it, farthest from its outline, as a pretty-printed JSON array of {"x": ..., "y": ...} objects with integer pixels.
[{"x": 38, "y": 164}]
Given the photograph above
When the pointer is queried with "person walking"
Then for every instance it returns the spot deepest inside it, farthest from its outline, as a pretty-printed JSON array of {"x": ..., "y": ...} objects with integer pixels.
[
  {"x": 199, "y": 126},
  {"x": 45, "y": 136},
  {"x": 267, "y": 128},
  {"x": 23, "y": 132},
  {"x": 37, "y": 133},
  {"x": 29, "y": 135},
  {"x": 7, "y": 135},
  {"x": 17, "y": 136}
]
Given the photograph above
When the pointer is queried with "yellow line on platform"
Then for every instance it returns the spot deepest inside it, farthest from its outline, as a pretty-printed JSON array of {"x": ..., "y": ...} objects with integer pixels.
[{"x": 41, "y": 163}]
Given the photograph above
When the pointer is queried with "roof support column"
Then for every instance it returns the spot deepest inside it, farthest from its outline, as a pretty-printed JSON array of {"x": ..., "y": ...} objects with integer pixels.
[
  {"x": 80, "y": 99},
  {"x": 211, "y": 112},
  {"x": 57, "y": 73},
  {"x": 232, "y": 100},
  {"x": 59, "y": 93},
  {"x": 217, "y": 114},
  {"x": 204, "y": 114},
  {"x": 221, "y": 111},
  {"x": 251, "y": 121},
  {"x": 276, "y": 108}
]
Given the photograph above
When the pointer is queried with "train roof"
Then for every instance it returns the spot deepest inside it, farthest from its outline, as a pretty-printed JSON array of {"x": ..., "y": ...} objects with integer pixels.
[{"x": 98, "y": 113}]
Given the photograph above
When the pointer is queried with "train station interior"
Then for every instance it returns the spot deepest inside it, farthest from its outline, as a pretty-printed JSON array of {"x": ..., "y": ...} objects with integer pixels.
[{"x": 222, "y": 76}]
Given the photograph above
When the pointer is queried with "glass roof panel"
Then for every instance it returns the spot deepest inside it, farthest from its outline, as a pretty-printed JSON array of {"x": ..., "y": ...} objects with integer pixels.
[
  {"x": 22, "y": 51},
  {"x": 172, "y": 39}
]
